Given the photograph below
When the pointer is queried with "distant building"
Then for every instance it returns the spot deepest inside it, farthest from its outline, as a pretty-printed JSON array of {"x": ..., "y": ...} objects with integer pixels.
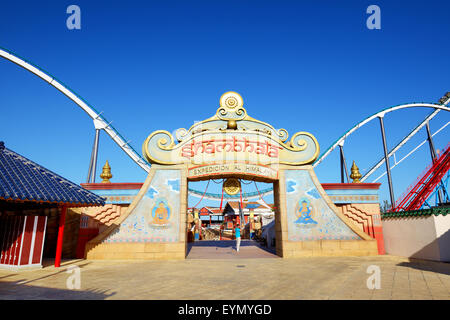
[
  {"x": 260, "y": 211},
  {"x": 211, "y": 217}
]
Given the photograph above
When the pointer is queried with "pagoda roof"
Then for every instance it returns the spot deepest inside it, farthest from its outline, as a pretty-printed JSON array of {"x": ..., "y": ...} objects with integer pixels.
[
  {"x": 234, "y": 205},
  {"x": 22, "y": 180}
]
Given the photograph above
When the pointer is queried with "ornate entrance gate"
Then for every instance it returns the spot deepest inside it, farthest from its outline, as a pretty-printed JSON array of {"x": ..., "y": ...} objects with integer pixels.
[{"x": 231, "y": 144}]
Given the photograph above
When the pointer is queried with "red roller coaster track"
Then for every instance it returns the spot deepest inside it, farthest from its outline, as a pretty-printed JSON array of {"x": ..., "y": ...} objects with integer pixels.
[{"x": 418, "y": 194}]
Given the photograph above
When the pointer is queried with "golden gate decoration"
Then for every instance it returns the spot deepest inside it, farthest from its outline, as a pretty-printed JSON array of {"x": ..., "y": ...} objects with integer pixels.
[
  {"x": 231, "y": 136},
  {"x": 232, "y": 186},
  {"x": 231, "y": 145}
]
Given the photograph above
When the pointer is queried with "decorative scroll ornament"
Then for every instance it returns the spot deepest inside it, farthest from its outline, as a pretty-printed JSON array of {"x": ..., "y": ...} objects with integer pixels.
[
  {"x": 231, "y": 107},
  {"x": 229, "y": 136}
]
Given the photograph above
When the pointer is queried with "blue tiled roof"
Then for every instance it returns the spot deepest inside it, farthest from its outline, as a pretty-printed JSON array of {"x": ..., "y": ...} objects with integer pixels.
[{"x": 24, "y": 180}]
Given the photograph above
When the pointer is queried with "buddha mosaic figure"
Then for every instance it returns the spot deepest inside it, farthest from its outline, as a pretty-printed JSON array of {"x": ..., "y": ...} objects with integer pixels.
[
  {"x": 304, "y": 214},
  {"x": 160, "y": 214}
]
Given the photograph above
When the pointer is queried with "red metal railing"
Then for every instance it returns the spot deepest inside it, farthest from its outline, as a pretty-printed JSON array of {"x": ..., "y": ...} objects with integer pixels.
[{"x": 418, "y": 192}]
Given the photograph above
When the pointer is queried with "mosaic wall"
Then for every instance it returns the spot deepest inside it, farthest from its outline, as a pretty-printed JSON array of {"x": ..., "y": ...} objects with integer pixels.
[
  {"x": 353, "y": 195},
  {"x": 117, "y": 196},
  {"x": 309, "y": 216},
  {"x": 156, "y": 218}
]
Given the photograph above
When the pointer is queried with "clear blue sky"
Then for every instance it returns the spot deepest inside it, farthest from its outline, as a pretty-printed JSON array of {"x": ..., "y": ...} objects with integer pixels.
[{"x": 300, "y": 65}]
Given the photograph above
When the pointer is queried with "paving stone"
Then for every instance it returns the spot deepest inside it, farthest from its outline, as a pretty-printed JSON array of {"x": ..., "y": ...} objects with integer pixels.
[{"x": 262, "y": 277}]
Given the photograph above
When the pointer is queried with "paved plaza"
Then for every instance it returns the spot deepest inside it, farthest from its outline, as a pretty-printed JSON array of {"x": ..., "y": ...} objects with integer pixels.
[
  {"x": 203, "y": 278},
  {"x": 227, "y": 250}
]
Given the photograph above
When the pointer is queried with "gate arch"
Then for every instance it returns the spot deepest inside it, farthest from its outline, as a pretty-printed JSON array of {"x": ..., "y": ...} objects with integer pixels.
[{"x": 231, "y": 144}]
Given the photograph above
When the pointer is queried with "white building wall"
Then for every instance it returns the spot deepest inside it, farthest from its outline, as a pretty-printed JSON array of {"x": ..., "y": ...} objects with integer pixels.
[
  {"x": 413, "y": 237},
  {"x": 442, "y": 225}
]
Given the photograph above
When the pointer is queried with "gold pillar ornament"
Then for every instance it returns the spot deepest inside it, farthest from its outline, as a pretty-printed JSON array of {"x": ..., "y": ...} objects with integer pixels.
[
  {"x": 355, "y": 173},
  {"x": 106, "y": 173}
]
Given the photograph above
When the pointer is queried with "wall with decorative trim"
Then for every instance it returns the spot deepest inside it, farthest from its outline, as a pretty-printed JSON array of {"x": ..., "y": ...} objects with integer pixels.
[{"x": 309, "y": 215}]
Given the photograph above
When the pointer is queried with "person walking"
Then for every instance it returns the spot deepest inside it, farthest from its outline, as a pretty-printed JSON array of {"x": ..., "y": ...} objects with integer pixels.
[{"x": 238, "y": 236}]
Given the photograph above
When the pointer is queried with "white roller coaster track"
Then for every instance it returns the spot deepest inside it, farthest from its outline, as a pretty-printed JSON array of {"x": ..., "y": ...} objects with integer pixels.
[
  {"x": 400, "y": 144},
  {"x": 99, "y": 121},
  {"x": 381, "y": 114},
  {"x": 396, "y": 163}
]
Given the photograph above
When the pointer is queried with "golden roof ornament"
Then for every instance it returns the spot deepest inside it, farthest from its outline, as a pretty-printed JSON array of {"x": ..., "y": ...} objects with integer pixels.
[
  {"x": 356, "y": 175},
  {"x": 106, "y": 173},
  {"x": 208, "y": 141}
]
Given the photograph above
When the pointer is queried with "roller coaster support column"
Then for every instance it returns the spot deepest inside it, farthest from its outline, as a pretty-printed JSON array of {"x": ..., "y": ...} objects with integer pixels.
[
  {"x": 386, "y": 158},
  {"x": 93, "y": 164},
  {"x": 430, "y": 143},
  {"x": 343, "y": 164},
  {"x": 433, "y": 154}
]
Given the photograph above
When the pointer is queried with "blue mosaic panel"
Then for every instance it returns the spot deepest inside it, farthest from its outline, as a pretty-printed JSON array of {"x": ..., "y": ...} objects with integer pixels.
[
  {"x": 309, "y": 216},
  {"x": 353, "y": 196},
  {"x": 156, "y": 218},
  {"x": 117, "y": 196}
]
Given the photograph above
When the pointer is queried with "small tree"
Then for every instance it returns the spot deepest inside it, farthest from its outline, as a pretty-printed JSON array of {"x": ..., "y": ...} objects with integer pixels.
[{"x": 385, "y": 207}]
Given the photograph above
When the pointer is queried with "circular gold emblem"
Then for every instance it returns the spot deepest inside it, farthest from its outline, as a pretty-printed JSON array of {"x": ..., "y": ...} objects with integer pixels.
[
  {"x": 231, "y": 100},
  {"x": 231, "y": 186}
]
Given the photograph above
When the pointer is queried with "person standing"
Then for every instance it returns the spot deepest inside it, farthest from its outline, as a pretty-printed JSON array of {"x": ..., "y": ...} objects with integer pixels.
[{"x": 238, "y": 236}]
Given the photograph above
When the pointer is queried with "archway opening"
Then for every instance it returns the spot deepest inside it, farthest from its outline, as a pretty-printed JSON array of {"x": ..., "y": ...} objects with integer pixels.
[{"x": 223, "y": 208}]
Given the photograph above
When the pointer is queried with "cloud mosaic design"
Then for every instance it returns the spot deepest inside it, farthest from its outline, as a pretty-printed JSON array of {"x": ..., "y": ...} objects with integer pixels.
[
  {"x": 156, "y": 217},
  {"x": 174, "y": 185},
  {"x": 309, "y": 216},
  {"x": 151, "y": 192},
  {"x": 290, "y": 186},
  {"x": 314, "y": 193}
]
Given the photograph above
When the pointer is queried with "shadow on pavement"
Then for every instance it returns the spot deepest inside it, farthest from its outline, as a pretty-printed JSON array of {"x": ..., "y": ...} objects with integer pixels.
[
  {"x": 18, "y": 291},
  {"x": 49, "y": 262},
  {"x": 427, "y": 265},
  {"x": 62, "y": 269}
]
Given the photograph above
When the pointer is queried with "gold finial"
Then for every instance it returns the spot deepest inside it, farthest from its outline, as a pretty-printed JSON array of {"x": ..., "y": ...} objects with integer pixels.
[
  {"x": 355, "y": 173},
  {"x": 231, "y": 124},
  {"x": 106, "y": 173}
]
